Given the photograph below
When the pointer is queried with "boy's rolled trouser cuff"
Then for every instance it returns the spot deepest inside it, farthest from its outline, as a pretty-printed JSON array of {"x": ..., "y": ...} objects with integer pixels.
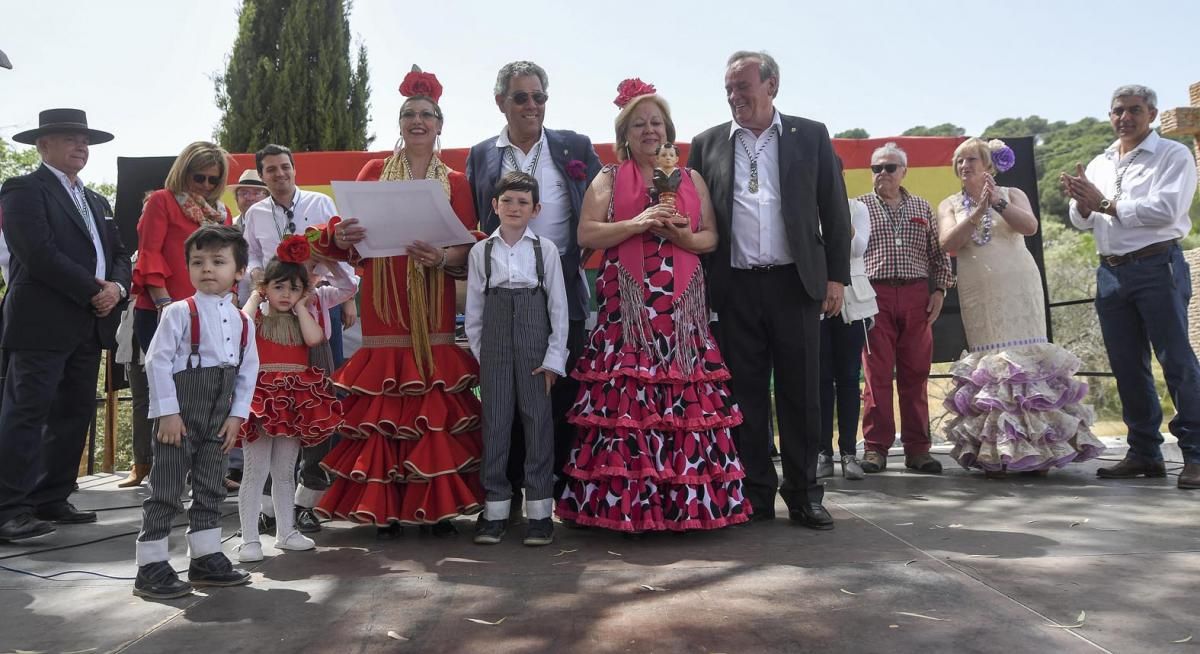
[
  {"x": 497, "y": 510},
  {"x": 151, "y": 551},
  {"x": 539, "y": 509},
  {"x": 307, "y": 498},
  {"x": 203, "y": 543}
]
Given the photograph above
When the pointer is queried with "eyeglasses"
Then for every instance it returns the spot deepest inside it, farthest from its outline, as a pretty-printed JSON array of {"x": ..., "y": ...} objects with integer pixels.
[
  {"x": 879, "y": 168},
  {"x": 214, "y": 180},
  {"x": 521, "y": 97},
  {"x": 425, "y": 115}
]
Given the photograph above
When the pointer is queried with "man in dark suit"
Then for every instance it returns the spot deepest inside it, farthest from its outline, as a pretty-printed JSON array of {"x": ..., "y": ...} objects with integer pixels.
[
  {"x": 564, "y": 163},
  {"x": 782, "y": 260},
  {"x": 68, "y": 275}
]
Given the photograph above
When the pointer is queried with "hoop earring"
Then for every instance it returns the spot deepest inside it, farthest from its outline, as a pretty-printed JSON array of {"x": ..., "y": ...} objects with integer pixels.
[{"x": 398, "y": 147}]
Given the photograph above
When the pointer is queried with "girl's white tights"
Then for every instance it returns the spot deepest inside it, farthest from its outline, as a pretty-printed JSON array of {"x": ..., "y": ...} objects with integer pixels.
[{"x": 277, "y": 457}]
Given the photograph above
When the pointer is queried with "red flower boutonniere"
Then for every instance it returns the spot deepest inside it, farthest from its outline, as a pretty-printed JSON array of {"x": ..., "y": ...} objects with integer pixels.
[
  {"x": 577, "y": 170},
  {"x": 294, "y": 249}
]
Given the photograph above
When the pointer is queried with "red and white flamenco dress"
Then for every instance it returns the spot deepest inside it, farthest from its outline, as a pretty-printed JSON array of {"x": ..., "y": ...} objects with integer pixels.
[{"x": 411, "y": 445}]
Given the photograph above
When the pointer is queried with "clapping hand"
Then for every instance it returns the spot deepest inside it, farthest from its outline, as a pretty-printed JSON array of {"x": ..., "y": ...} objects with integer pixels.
[{"x": 1085, "y": 194}]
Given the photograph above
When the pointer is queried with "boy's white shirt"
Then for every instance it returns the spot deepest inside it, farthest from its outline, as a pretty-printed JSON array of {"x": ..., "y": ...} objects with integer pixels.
[
  {"x": 220, "y": 340},
  {"x": 520, "y": 273}
]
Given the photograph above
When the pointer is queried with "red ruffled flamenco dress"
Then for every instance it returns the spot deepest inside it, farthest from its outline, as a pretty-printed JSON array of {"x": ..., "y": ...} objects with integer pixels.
[
  {"x": 291, "y": 399},
  {"x": 653, "y": 411},
  {"x": 411, "y": 445}
]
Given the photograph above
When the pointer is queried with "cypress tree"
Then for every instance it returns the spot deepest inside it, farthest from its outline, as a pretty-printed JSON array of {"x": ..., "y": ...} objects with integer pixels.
[{"x": 289, "y": 79}]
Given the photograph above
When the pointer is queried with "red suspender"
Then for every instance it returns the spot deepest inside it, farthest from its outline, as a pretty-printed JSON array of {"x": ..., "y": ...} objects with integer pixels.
[{"x": 195, "y": 315}]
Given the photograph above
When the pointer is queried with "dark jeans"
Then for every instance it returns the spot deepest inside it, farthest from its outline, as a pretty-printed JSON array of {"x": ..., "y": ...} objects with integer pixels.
[
  {"x": 145, "y": 323},
  {"x": 841, "y": 363},
  {"x": 335, "y": 335},
  {"x": 49, "y": 402},
  {"x": 143, "y": 427},
  {"x": 1143, "y": 304}
]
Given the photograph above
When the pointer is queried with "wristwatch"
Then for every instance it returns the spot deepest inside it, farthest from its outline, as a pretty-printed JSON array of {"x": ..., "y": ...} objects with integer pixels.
[
  {"x": 1000, "y": 206},
  {"x": 1105, "y": 205},
  {"x": 124, "y": 293}
]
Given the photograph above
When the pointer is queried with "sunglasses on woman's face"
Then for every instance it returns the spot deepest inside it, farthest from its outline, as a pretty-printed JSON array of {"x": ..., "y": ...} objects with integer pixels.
[
  {"x": 213, "y": 180},
  {"x": 521, "y": 97},
  {"x": 879, "y": 168}
]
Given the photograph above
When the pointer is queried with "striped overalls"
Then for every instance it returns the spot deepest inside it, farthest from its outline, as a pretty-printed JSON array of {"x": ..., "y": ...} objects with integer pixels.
[{"x": 516, "y": 333}]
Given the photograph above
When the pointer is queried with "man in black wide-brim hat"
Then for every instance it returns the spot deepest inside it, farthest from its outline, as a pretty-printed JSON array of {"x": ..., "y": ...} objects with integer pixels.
[{"x": 68, "y": 275}]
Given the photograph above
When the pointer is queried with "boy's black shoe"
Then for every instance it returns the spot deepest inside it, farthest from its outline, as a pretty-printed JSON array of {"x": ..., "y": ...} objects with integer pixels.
[
  {"x": 306, "y": 521},
  {"x": 539, "y": 532},
  {"x": 158, "y": 581},
  {"x": 444, "y": 528},
  {"x": 216, "y": 570},
  {"x": 266, "y": 524},
  {"x": 490, "y": 532}
]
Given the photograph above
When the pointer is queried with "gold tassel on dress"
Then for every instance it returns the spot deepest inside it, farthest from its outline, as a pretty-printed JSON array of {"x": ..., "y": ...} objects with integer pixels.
[{"x": 282, "y": 328}]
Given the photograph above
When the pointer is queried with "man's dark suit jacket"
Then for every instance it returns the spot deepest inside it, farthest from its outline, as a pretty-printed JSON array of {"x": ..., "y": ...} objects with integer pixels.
[
  {"x": 816, "y": 214},
  {"x": 53, "y": 270},
  {"x": 483, "y": 171}
]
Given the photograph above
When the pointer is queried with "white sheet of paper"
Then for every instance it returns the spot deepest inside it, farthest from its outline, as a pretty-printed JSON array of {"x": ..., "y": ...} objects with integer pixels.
[{"x": 396, "y": 213}]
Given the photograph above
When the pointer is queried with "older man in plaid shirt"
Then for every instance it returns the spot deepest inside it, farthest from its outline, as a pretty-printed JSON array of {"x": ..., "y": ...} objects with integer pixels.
[{"x": 902, "y": 256}]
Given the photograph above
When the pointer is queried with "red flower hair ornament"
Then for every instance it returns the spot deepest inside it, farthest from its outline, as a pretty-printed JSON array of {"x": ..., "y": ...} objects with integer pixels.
[
  {"x": 630, "y": 89},
  {"x": 419, "y": 83},
  {"x": 294, "y": 249}
]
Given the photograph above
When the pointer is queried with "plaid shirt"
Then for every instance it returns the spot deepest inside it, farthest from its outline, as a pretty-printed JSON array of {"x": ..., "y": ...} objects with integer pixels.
[{"x": 904, "y": 241}]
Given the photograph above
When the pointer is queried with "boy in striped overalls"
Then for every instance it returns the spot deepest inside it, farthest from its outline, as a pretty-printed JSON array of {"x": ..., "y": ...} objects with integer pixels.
[
  {"x": 516, "y": 322},
  {"x": 201, "y": 367}
]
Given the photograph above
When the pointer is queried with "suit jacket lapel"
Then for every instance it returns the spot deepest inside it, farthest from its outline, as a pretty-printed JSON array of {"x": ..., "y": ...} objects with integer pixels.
[
  {"x": 98, "y": 219},
  {"x": 723, "y": 188},
  {"x": 60, "y": 194},
  {"x": 789, "y": 148}
]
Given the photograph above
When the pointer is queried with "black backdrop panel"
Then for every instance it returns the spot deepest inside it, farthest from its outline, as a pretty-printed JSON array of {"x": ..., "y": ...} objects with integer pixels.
[
  {"x": 949, "y": 339},
  {"x": 135, "y": 177}
]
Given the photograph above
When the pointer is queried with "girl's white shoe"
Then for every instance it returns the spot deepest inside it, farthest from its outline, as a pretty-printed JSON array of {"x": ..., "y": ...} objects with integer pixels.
[
  {"x": 250, "y": 552},
  {"x": 295, "y": 541}
]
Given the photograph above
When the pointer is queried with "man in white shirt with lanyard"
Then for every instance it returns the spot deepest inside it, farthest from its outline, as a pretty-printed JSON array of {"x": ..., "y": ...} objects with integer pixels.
[
  {"x": 289, "y": 210},
  {"x": 1135, "y": 197}
]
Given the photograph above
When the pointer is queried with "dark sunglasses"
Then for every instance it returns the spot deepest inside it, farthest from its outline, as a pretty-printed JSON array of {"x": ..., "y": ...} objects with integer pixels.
[
  {"x": 879, "y": 168},
  {"x": 521, "y": 97},
  {"x": 215, "y": 180},
  {"x": 291, "y": 216}
]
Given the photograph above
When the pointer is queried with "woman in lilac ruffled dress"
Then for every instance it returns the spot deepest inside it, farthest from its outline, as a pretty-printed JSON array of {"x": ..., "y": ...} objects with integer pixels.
[{"x": 1016, "y": 405}]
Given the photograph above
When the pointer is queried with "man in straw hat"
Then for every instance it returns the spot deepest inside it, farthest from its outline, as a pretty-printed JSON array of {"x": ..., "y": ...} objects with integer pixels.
[{"x": 68, "y": 274}]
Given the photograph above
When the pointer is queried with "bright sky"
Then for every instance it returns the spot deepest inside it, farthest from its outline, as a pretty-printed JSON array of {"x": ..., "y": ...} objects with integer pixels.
[{"x": 142, "y": 68}]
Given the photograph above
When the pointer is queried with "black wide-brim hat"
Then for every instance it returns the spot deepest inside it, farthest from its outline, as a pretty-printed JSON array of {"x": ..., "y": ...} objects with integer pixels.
[{"x": 58, "y": 121}]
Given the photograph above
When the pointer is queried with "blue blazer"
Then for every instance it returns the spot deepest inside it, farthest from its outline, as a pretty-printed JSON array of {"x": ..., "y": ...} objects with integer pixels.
[
  {"x": 483, "y": 171},
  {"x": 52, "y": 274}
]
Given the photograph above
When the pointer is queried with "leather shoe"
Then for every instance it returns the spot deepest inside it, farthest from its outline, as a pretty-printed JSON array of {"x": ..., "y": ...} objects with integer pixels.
[
  {"x": 65, "y": 514},
  {"x": 306, "y": 521},
  {"x": 1189, "y": 478},
  {"x": 874, "y": 461},
  {"x": 22, "y": 527},
  {"x": 158, "y": 581},
  {"x": 923, "y": 463},
  {"x": 216, "y": 570},
  {"x": 813, "y": 516},
  {"x": 136, "y": 476},
  {"x": 1131, "y": 467}
]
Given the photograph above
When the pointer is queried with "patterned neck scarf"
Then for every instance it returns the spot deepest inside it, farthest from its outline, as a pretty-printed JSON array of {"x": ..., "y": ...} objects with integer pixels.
[{"x": 199, "y": 210}]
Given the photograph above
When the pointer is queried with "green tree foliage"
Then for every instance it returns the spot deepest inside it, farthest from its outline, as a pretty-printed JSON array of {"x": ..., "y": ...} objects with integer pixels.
[
  {"x": 17, "y": 161},
  {"x": 945, "y": 129},
  {"x": 289, "y": 79},
  {"x": 853, "y": 133}
]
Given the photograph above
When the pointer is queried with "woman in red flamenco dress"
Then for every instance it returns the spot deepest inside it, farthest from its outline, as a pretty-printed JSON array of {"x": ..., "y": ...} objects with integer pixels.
[
  {"x": 411, "y": 443},
  {"x": 653, "y": 411}
]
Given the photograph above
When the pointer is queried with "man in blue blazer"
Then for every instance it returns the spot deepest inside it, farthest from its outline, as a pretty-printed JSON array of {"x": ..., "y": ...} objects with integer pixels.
[
  {"x": 68, "y": 276},
  {"x": 782, "y": 260},
  {"x": 564, "y": 163}
]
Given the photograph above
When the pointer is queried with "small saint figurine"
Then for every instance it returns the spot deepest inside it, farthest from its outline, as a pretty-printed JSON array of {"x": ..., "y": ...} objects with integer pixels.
[{"x": 666, "y": 173}]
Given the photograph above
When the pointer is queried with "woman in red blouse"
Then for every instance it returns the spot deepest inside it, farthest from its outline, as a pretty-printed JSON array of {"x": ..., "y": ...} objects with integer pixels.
[{"x": 191, "y": 198}]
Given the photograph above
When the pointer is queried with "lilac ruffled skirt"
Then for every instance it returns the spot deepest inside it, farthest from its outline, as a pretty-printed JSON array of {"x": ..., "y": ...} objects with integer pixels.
[{"x": 1020, "y": 409}]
